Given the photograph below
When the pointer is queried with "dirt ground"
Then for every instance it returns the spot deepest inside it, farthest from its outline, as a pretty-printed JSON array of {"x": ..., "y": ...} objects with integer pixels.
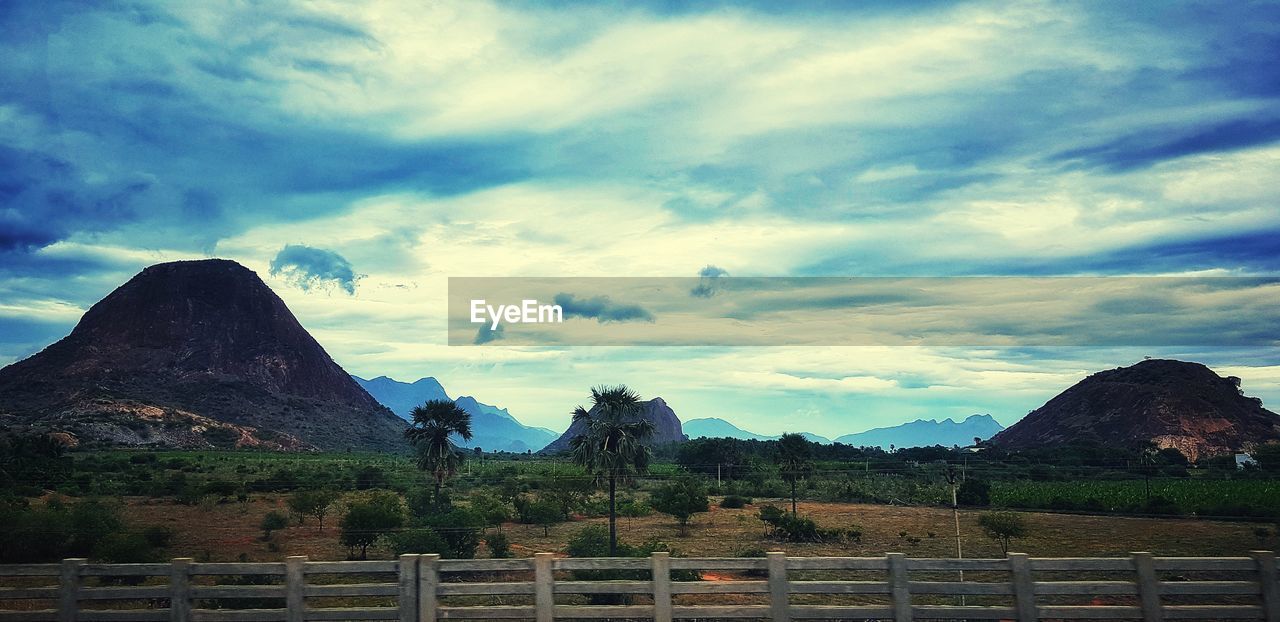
[{"x": 229, "y": 531}]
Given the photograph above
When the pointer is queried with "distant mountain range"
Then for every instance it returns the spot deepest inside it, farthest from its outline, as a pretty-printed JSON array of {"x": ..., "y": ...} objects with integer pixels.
[
  {"x": 666, "y": 426},
  {"x": 918, "y": 433},
  {"x": 492, "y": 428}
]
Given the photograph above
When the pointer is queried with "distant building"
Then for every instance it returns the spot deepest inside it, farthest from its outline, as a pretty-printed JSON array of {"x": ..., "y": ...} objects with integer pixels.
[{"x": 1243, "y": 460}]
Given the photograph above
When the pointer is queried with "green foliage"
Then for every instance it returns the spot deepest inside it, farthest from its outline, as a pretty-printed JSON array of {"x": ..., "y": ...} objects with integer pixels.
[
  {"x": 370, "y": 518},
  {"x": 735, "y": 502},
  {"x": 31, "y": 464},
  {"x": 795, "y": 461},
  {"x": 273, "y": 521},
  {"x": 681, "y": 499},
  {"x": 314, "y": 503},
  {"x": 55, "y": 530},
  {"x": 634, "y": 508},
  {"x": 460, "y": 528},
  {"x": 370, "y": 477},
  {"x": 974, "y": 492},
  {"x": 541, "y": 512},
  {"x": 419, "y": 540},
  {"x": 1003, "y": 527},
  {"x": 613, "y": 446},
  {"x": 499, "y": 546},
  {"x": 590, "y": 541},
  {"x": 433, "y": 423},
  {"x": 490, "y": 509},
  {"x": 221, "y": 488}
]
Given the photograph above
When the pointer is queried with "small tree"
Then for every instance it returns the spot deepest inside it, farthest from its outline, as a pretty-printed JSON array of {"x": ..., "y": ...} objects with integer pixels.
[
  {"x": 545, "y": 514},
  {"x": 1003, "y": 527},
  {"x": 369, "y": 519},
  {"x": 499, "y": 546},
  {"x": 273, "y": 521},
  {"x": 795, "y": 462},
  {"x": 681, "y": 499},
  {"x": 313, "y": 503}
]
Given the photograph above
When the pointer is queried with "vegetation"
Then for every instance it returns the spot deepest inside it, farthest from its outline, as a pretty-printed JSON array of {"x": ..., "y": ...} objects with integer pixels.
[
  {"x": 795, "y": 462},
  {"x": 1003, "y": 527},
  {"x": 681, "y": 499},
  {"x": 613, "y": 446},
  {"x": 314, "y": 503},
  {"x": 368, "y": 519},
  {"x": 433, "y": 425}
]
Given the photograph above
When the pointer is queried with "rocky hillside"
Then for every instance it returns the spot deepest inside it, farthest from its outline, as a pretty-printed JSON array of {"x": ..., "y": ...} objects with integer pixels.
[
  {"x": 926, "y": 433},
  {"x": 194, "y": 354},
  {"x": 1171, "y": 403},
  {"x": 666, "y": 427}
]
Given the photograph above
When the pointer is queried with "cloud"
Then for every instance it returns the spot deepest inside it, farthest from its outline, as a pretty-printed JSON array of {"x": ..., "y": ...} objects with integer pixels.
[
  {"x": 707, "y": 281},
  {"x": 486, "y": 334},
  {"x": 601, "y": 309},
  {"x": 307, "y": 267}
]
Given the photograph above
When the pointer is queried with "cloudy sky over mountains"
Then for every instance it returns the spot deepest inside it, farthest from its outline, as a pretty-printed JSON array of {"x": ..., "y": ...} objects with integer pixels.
[{"x": 356, "y": 155}]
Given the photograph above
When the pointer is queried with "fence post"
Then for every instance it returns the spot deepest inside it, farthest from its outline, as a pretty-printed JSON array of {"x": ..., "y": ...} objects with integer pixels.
[
  {"x": 69, "y": 589},
  {"x": 1024, "y": 588},
  {"x": 407, "y": 573},
  {"x": 544, "y": 598},
  {"x": 661, "y": 570},
  {"x": 900, "y": 587},
  {"x": 779, "y": 590},
  {"x": 428, "y": 579},
  {"x": 295, "y": 588},
  {"x": 180, "y": 589},
  {"x": 1269, "y": 581},
  {"x": 1148, "y": 586}
]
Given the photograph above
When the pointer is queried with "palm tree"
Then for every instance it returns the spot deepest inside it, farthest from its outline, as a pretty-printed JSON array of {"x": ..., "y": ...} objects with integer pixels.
[
  {"x": 795, "y": 462},
  {"x": 612, "y": 447},
  {"x": 433, "y": 423}
]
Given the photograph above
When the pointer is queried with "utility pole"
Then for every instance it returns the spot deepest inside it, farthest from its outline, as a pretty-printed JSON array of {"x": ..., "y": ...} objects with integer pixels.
[
  {"x": 955, "y": 513},
  {"x": 717, "y": 476}
]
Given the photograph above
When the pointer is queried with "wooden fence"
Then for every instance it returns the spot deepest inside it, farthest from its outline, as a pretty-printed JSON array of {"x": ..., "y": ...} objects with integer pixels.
[{"x": 422, "y": 588}]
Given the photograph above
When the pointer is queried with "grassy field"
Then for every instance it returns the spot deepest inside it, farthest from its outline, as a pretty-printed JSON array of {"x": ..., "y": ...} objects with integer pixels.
[{"x": 229, "y": 531}]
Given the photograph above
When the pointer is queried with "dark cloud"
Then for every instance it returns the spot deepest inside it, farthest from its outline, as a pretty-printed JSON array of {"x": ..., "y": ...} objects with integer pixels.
[
  {"x": 1151, "y": 147},
  {"x": 708, "y": 281},
  {"x": 486, "y": 334},
  {"x": 308, "y": 267},
  {"x": 601, "y": 309}
]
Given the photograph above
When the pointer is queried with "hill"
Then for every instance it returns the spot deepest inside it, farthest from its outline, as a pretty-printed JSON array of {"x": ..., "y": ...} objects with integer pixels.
[
  {"x": 926, "y": 432},
  {"x": 1175, "y": 404},
  {"x": 493, "y": 428},
  {"x": 666, "y": 426},
  {"x": 194, "y": 354}
]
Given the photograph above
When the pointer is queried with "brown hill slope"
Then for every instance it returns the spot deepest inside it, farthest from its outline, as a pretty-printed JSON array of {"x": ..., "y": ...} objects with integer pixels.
[
  {"x": 1171, "y": 403},
  {"x": 194, "y": 354}
]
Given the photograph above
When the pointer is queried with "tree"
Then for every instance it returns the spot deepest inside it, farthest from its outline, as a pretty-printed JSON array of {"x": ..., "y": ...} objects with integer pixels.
[
  {"x": 795, "y": 462},
  {"x": 613, "y": 446},
  {"x": 681, "y": 499},
  {"x": 312, "y": 503},
  {"x": 545, "y": 514},
  {"x": 273, "y": 521},
  {"x": 369, "y": 519},
  {"x": 1003, "y": 527},
  {"x": 433, "y": 423}
]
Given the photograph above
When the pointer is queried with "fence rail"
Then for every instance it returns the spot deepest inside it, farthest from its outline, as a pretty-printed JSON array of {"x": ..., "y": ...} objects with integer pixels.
[{"x": 425, "y": 588}]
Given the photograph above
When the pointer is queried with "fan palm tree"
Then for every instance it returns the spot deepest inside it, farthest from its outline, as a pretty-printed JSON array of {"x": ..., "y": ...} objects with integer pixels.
[
  {"x": 613, "y": 446},
  {"x": 795, "y": 462},
  {"x": 433, "y": 423}
]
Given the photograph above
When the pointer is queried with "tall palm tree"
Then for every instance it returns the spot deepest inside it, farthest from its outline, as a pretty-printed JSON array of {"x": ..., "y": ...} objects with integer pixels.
[
  {"x": 613, "y": 445},
  {"x": 433, "y": 423},
  {"x": 795, "y": 462}
]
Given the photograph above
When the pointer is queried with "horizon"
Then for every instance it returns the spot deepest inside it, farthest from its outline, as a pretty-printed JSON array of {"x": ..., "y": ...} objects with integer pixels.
[{"x": 357, "y": 157}]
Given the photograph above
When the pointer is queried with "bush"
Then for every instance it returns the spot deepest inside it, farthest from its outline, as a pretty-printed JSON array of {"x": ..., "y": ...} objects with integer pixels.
[
  {"x": 735, "y": 501},
  {"x": 314, "y": 503},
  {"x": 540, "y": 512},
  {"x": 272, "y": 522},
  {"x": 590, "y": 541},
  {"x": 370, "y": 518},
  {"x": 771, "y": 515},
  {"x": 460, "y": 528},
  {"x": 159, "y": 536},
  {"x": 681, "y": 499},
  {"x": 499, "y": 546},
  {"x": 1003, "y": 527},
  {"x": 491, "y": 510},
  {"x": 420, "y": 540},
  {"x": 974, "y": 492}
]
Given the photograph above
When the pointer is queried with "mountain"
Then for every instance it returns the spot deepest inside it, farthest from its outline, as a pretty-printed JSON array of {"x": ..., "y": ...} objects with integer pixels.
[
  {"x": 492, "y": 428},
  {"x": 401, "y": 397},
  {"x": 714, "y": 427},
  {"x": 666, "y": 426},
  {"x": 1175, "y": 404},
  {"x": 194, "y": 354},
  {"x": 926, "y": 432}
]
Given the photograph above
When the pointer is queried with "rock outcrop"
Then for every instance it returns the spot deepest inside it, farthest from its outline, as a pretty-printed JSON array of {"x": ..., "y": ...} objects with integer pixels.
[{"x": 666, "y": 427}]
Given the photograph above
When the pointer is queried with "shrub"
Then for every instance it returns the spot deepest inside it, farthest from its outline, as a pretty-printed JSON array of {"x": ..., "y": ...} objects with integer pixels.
[
  {"x": 1003, "y": 527},
  {"x": 460, "y": 528},
  {"x": 771, "y": 515},
  {"x": 420, "y": 540},
  {"x": 159, "y": 536},
  {"x": 735, "y": 501},
  {"x": 681, "y": 499},
  {"x": 314, "y": 503},
  {"x": 370, "y": 518},
  {"x": 974, "y": 492},
  {"x": 490, "y": 509},
  {"x": 499, "y": 546},
  {"x": 272, "y": 522},
  {"x": 590, "y": 541}
]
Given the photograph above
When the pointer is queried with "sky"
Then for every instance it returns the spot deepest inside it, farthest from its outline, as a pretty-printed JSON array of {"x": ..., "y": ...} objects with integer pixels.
[{"x": 356, "y": 155}]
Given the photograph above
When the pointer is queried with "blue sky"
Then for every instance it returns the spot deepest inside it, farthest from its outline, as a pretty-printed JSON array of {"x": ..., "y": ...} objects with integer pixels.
[{"x": 357, "y": 155}]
